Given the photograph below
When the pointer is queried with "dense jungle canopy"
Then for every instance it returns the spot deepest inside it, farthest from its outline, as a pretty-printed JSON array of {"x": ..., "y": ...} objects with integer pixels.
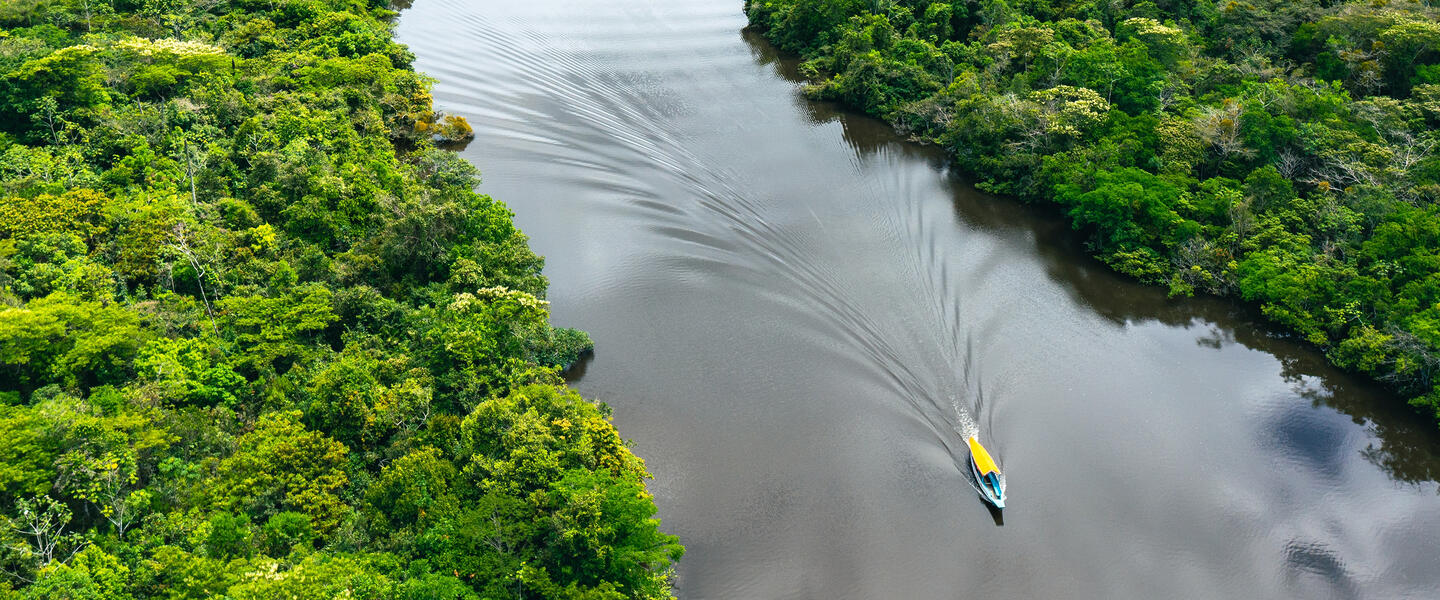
[
  {"x": 260, "y": 337},
  {"x": 1283, "y": 152}
]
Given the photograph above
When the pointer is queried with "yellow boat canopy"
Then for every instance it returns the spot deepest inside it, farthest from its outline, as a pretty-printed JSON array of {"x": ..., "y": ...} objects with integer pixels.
[{"x": 983, "y": 462}]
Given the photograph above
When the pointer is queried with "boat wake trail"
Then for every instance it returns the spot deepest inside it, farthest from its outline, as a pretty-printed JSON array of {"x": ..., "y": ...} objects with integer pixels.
[
  {"x": 905, "y": 328},
  {"x": 941, "y": 278}
]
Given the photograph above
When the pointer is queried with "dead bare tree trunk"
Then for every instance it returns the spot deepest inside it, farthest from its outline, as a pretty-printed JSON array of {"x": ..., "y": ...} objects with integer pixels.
[{"x": 182, "y": 243}]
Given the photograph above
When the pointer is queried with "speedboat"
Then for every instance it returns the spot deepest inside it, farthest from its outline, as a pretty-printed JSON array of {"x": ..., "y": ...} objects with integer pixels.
[{"x": 987, "y": 475}]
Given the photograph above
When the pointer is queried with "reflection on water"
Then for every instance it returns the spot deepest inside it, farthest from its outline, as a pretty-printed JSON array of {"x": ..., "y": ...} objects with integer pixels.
[
  {"x": 1313, "y": 558},
  {"x": 1407, "y": 444},
  {"x": 798, "y": 314},
  {"x": 1402, "y": 443}
]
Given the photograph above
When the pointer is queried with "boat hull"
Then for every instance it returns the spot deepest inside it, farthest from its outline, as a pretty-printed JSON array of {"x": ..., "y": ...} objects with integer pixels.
[
  {"x": 989, "y": 485},
  {"x": 998, "y": 500}
]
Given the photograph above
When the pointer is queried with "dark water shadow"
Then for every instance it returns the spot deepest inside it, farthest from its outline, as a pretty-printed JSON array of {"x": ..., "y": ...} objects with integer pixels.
[
  {"x": 998, "y": 514},
  {"x": 454, "y": 145},
  {"x": 575, "y": 371},
  {"x": 1315, "y": 560},
  {"x": 1405, "y": 444}
]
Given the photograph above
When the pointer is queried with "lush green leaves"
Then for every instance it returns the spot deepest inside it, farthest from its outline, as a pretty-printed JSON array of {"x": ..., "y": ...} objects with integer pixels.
[
  {"x": 260, "y": 337},
  {"x": 283, "y": 466},
  {"x": 1143, "y": 119}
]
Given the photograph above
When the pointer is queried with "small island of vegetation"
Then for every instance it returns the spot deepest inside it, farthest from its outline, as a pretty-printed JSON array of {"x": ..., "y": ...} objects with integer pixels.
[
  {"x": 1283, "y": 152},
  {"x": 260, "y": 337}
]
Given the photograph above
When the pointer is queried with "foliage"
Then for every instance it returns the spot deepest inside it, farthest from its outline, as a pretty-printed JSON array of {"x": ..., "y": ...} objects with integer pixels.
[
  {"x": 1281, "y": 152},
  {"x": 260, "y": 337}
]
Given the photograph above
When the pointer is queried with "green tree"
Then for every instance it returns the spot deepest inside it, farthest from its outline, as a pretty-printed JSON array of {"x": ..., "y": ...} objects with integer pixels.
[
  {"x": 605, "y": 532},
  {"x": 283, "y": 466},
  {"x": 246, "y": 303},
  {"x": 479, "y": 342},
  {"x": 61, "y": 339},
  {"x": 274, "y": 333}
]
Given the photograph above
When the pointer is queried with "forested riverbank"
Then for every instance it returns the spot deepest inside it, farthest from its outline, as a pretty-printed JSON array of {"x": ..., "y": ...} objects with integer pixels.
[
  {"x": 261, "y": 337},
  {"x": 1278, "y": 152}
]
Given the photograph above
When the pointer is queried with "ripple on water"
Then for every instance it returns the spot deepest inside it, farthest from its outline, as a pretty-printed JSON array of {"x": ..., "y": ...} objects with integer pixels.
[{"x": 799, "y": 319}]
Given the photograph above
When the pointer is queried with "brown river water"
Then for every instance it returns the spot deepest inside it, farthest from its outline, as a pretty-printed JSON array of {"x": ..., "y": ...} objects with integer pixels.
[{"x": 797, "y": 314}]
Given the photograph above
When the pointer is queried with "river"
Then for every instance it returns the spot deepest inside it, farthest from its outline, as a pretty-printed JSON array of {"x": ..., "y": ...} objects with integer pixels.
[{"x": 797, "y": 313}]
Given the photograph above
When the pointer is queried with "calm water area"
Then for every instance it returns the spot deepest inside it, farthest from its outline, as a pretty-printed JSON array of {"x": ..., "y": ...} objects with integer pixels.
[{"x": 798, "y": 314}]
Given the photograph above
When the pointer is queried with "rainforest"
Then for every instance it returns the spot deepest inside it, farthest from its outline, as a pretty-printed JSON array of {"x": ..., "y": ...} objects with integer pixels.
[
  {"x": 260, "y": 337},
  {"x": 265, "y": 332},
  {"x": 1283, "y": 153}
]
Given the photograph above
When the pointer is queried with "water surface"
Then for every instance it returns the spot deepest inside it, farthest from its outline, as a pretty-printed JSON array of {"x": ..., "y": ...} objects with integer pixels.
[{"x": 796, "y": 315}]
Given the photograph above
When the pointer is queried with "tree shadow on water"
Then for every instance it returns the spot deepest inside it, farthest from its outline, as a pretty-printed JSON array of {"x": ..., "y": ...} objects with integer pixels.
[
  {"x": 1405, "y": 444},
  {"x": 866, "y": 135},
  {"x": 575, "y": 371}
]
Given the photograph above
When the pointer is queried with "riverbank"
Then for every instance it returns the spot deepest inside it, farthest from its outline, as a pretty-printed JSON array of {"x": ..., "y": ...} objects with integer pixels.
[
  {"x": 1280, "y": 155},
  {"x": 791, "y": 306},
  {"x": 262, "y": 338}
]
